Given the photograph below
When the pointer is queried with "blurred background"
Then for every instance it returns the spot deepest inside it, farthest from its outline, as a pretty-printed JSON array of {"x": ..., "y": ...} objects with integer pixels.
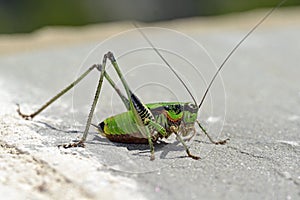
[{"x": 28, "y": 15}]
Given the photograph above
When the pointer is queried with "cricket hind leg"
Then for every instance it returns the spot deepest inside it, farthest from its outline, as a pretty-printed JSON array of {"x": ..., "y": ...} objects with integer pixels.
[
  {"x": 128, "y": 103},
  {"x": 221, "y": 142},
  {"x": 53, "y": 99},
  {"x": 103, "y": 73},
  {"x": 142, "y": 114},
  {"x": 80, "y": 143},
  {"x": 121, "y": 95}
]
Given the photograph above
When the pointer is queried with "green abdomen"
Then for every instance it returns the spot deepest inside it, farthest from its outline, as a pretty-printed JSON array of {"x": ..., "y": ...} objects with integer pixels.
[{"x": 122, "y": 128}]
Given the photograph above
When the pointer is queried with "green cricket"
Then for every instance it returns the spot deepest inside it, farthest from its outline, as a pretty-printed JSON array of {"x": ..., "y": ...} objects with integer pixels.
[{"x": 144, "y": 123}]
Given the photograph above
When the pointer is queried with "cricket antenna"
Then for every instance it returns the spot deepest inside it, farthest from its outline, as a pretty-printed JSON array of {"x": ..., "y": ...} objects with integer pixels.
[
  {"x": 239, "y": 43},
  {"x": 165, "y": 61}
]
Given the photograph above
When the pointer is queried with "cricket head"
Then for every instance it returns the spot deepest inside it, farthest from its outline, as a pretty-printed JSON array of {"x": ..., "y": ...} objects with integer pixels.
[
  {"x": 190, "y": 113},
  {"x": 189, "y": 117}
]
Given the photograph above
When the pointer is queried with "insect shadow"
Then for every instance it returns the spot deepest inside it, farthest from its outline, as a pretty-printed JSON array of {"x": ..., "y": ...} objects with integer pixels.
[
  {"x": 161, "y": 146},
  {"x": 47, "y": 125},
  {"x": 143, "y": 149}
]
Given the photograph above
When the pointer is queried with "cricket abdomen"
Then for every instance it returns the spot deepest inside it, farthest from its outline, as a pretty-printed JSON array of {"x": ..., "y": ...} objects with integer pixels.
[{"x": 122, "y": 129}]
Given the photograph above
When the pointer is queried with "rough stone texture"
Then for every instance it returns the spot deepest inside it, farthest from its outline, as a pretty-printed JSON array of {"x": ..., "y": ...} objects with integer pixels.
[{"x": 261, "y": 114}]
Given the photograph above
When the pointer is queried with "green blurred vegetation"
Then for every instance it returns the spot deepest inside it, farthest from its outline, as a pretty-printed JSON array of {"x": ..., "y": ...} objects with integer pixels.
[{"x": 28, "y": 15}]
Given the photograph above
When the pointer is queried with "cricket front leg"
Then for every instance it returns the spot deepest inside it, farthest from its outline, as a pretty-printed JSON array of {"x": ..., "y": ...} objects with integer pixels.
[
  {"x": 175, "y": 130},
  {"x": 152, "y": 156},
  {"x": 188, "y": 138},
  {"x": 159, "y": 129},
  {"x": 210, "y": 138}
]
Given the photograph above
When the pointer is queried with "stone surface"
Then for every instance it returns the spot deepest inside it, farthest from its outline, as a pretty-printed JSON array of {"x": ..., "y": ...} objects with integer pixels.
[{"x": 255, "y": 103}]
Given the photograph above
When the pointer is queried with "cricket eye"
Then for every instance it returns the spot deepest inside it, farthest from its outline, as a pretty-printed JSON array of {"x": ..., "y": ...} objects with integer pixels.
[{"x": 193, "y": 106}]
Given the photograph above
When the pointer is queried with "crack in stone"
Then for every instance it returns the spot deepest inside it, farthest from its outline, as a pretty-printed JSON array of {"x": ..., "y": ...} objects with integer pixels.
[
  {"x": 247, "y": 153},
  {"x": 287, "y": 177},
  {"x": 281, "y": 174}
]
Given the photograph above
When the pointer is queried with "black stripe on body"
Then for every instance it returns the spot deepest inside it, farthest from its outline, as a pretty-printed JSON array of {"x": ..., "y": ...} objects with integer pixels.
[
  {"x": 101, "y": 127},
  {"x": 141, "y": 109}
]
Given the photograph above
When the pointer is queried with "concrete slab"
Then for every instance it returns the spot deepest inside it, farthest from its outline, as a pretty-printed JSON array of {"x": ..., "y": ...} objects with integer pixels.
[{"x": 255, "y": 102}]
